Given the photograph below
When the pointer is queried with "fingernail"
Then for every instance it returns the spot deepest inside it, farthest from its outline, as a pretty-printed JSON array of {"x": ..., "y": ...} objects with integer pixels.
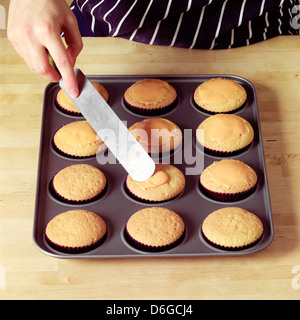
[{"x": 74, "y": 93}]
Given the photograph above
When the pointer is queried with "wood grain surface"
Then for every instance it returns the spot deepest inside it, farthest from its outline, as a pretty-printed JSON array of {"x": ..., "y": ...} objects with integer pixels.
[{"x": 274, "y": 273}]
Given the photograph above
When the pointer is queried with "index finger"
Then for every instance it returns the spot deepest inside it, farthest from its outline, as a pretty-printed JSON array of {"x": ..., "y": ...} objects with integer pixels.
[{"x": 64, "y": 65}]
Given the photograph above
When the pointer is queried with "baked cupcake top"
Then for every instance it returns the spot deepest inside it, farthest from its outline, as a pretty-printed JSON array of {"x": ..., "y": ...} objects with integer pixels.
[
  {"x": 155, "y": 227},
  {"x": 79, "y": 182},
  {"x": 78, "y": 139},
  {"x": 150, "y": 94},
  {"x": 228, "y": 176},
  {"x": 225, "y": 132},
  {"x": 232, "y": 227},
  {"x": 219, "y": 95},
  {"x": 75, "y": 228},
  {"x": 66, "y": 103},
  {"x": 166, "y": 183},
  {"x": 157, "y": 135}
]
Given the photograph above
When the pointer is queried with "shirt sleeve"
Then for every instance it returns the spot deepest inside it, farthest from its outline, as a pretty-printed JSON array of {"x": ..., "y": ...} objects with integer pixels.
[{"x": 194, "y": 24}]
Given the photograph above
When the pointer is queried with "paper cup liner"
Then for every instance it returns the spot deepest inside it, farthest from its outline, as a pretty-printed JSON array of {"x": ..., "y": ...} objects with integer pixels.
[
  {"x": 226, "y": 197},
  {"x": 224, "y": 153},
  {"x": 59, "y": 151},
  {"x": 144, "y": 247},
  {"x": 75, "y": 250},
  {"x": 150, "y": 112},
  {"x": 66, "y": 111},
  {"x": 229, "y": 248},
  {"x": 215, "y": 112},
  {"x": 59, "y": 197}
]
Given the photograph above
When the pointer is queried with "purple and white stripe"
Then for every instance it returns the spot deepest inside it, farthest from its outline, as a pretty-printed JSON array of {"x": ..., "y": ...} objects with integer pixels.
[{"x": 199, "y": 24}]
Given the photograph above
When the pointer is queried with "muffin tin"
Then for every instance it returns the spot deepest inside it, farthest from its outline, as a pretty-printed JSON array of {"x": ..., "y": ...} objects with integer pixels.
[{"x": 116, "y": 206}]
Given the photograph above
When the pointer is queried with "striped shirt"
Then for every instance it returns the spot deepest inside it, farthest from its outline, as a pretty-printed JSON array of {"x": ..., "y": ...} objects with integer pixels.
[{"x": 199, "y": 24}]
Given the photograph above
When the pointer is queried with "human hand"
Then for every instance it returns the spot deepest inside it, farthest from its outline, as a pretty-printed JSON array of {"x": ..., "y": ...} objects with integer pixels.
[{"x": 35, "y": 26}]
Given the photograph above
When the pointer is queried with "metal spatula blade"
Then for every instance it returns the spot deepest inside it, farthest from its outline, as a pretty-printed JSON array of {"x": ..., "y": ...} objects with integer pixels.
[{"x": 123, "y": 145}]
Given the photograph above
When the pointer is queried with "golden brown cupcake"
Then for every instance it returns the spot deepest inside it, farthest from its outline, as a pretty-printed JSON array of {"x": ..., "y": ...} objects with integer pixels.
[
  {"x": 219, "y": 95},
  {"x": 78, "y": 139},
  {"x": 232, "y": 228},
  {"x": 150, "y": 97},
  {"x": 228, "y": 180},
  {"x": 79, "y": 183},
  {"x": 155, "y": 229},
  {"x": 66, "y": 104},
  {"x": 75, "y": 231},
  {"x": 157, "y": 135},
  {"x": 166, "y": 183},
  {"x": 225, "y": 134}
]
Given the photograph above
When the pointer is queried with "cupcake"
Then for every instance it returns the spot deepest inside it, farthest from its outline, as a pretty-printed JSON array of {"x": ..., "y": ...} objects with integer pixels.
[
  {"x": 228, "y": 180},
  {"x": 65, "y": 103},
  {"x": 75, "y": 231},
  {"x": 154, "y": 229},
  {"x": 225, "y": 134},
  {"x": 232, "y": 228},
  {"x": 79, "y": 183},
  {"x": 166, "y": 183},
  {"x": 219, "y": 95},
  {"x": 78, "y": 139},
  {"x": 150, "y": 97},
  {"x": 157, "y": 135}
]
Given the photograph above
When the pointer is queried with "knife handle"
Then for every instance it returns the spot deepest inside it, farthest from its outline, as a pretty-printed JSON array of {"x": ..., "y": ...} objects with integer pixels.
[{"x": 52, "y": 63}]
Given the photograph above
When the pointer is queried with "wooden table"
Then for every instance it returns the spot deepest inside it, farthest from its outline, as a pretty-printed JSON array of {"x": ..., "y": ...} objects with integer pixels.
[{"x": 274, "y": 273}]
